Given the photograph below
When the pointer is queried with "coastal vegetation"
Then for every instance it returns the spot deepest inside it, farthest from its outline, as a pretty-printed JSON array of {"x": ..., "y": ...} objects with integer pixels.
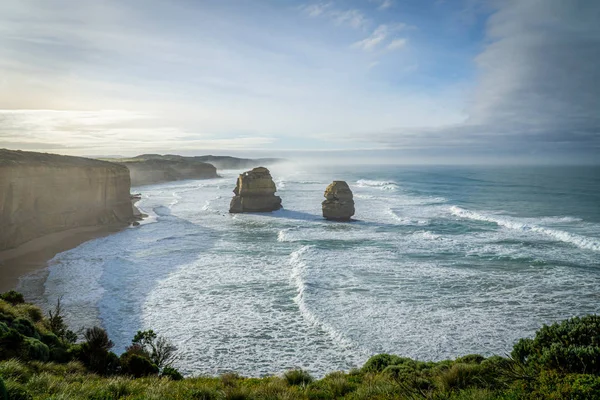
[{"x": 40, "y": 358}]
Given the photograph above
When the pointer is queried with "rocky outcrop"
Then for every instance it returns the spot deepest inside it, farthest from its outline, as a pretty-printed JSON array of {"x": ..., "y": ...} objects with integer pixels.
[
  {"x": 147, "y": 172},
  {"x": 339, "y": 203},
  {"x": 255, "y": 192},
  {"x": 47, "y": 193}
]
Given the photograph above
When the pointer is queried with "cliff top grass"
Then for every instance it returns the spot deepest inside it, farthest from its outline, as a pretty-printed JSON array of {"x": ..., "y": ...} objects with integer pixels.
[
  {"x": 30, "y": 158},
  {"x": 41, "y": 359}
]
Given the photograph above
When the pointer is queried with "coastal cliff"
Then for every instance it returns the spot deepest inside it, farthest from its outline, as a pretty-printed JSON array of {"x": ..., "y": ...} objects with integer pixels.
[
  {"x": 43, "y": 193},
  {"x": 152, "y": 168}
]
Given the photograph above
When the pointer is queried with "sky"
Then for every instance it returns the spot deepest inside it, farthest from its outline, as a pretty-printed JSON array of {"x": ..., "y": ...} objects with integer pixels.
[{"x": 390, "y": 80}]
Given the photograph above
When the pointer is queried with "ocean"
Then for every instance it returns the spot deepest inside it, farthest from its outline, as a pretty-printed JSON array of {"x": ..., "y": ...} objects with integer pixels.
[{"x": 440, "y": 262}]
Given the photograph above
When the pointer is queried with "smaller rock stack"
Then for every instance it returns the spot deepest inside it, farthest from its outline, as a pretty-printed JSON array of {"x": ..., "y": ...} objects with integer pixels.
[
  {"x": 339, "y": 203},
  {"x": 255, "y": 192}
]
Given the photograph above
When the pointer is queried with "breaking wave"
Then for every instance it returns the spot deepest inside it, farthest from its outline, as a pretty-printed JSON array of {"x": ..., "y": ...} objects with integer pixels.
[{"x": 580, "y": 241}]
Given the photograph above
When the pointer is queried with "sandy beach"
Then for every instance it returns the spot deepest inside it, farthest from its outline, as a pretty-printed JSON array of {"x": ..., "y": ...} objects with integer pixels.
[{"x": 35, "y": 254}]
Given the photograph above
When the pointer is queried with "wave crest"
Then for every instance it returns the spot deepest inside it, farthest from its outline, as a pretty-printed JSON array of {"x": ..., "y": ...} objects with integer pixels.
[{"x": 580, "y": 241}]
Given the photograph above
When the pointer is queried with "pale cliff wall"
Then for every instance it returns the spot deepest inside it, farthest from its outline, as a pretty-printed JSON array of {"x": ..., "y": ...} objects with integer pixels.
[
  {"x": 46, "y": 193},
  {"x": 147, "y": 172}
]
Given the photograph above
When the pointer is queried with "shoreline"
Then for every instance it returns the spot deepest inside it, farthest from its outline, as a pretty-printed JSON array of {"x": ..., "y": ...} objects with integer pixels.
[{"x": 34, "y": 255}]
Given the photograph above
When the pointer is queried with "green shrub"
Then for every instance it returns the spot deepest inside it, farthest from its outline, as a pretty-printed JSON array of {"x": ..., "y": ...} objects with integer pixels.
[
  {"x": 50, "y": 339},
  {"x": 230, "y": 379},
  {"x": 471, "y": 359},
  {"x": 24, "y": 327},
  {"x": 172, "y": 373},
  {"x": 297, "y": 377},
  {"x": 60, "y": 355},
  {"x": 95, "y": 354},
  {"x": 137, "y": 366},
  {"x": 12, "y": 297},
  {"x": 159, "y": 349},
  {"x": 3, "y": 327},
  {"x": 33, "y": 349},
  {"x": 461, "y": 376},
  {"x": 338, "y": 385},
  {"x": 570, "y": 346},
  {"x": 30, "y": 311},
  {"x": 380, "y": 362}
]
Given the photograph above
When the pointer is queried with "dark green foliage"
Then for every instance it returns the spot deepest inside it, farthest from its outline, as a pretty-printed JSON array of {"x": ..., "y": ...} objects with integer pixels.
[
  {"x": 95, "y": 354},
  {"x": 461, "y": 376},
  {"x": 158, "y": 348},
  {"x": 571, "y": 346},
  {"x": 12, "y": 297},
  {"x": 297, "y": 377},
  {"x": 50, "y": 339},
  {"x": 3, "y": 392},
  {"x": 60, "y": 355},
  {"x": 33, "y": 349},
  {"x": 97, "y": 339},
  {"x": 10, "y": 344},
  {"x": 172, "y": 373},
  {"x": 16, "y": 391},
  {"x": 471, "y": 359},
  {"x": 137, "y": 366},
  {"x": 380, "y": 362},
  {"x": 3, "y": 327},
  {"x": 24, "y": 327},
  {"x": 57, "y": 324}
]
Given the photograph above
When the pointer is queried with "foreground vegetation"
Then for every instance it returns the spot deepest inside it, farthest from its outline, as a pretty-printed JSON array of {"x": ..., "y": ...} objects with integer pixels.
[{"x": 41, "y": 359}]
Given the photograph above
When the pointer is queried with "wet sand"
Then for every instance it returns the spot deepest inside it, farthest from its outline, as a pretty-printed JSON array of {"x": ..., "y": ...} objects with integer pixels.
[{"x": 35, "y": 254}]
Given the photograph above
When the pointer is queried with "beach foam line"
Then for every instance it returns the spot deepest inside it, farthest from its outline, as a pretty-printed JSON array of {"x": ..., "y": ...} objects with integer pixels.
[
  {"x": 297, "y": 278},
  {"x": 580, "y": 241}
]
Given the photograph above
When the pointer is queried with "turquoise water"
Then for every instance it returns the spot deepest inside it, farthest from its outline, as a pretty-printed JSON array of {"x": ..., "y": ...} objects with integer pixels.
[{"x": 440, "y": 262}]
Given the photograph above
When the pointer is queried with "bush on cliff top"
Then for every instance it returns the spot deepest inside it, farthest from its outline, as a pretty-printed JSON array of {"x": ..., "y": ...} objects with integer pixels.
[
  {"x": 559, "y": 362},
  {"x": 571, "y": 346}
]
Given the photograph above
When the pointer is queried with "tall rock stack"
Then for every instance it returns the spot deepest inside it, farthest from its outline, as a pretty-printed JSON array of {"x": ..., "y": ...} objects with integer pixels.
[
  {"x": 255, "y": 192},
  {"x": 339, "y": 203}
]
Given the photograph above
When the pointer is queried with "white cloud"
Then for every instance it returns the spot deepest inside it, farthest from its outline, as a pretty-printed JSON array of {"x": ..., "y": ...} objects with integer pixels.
[
  {"x": 376, "y": 38},
  {"x": 316, "y": 10},
  {"x": 397, "y": 44},
  {"x": 383, "y": 4},
  {"x": 353, "y": 18}
]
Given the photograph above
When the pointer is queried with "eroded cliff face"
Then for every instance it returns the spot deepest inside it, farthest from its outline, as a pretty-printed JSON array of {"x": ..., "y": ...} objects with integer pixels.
[
  {"x": 47, "y": 193},
  {"x": 151, "y": 171}
]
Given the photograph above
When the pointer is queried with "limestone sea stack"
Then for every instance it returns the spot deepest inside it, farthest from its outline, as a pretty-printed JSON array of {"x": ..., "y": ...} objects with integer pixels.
[
  {"x": 339, "y": 202},
  {"x": 255, "y": 192}
]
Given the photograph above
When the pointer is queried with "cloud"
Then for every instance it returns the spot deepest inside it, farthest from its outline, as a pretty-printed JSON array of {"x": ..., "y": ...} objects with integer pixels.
[
  {"x": 374, "y": 40},
  {"x": 397, "y": 44},
  {"x": 383, "y": 4},
  {"x": 115, "y": 131},
  {"x": 316, "y": 10},
  {"x": 380, "y": 35},
  {"x": 349, "y": 17},
  {"x": 538, "y": 88},
  {"x": 353, "y": 18}
]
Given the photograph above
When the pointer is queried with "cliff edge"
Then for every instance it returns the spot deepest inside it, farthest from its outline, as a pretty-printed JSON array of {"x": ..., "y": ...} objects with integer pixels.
[
  {"x": 153, "y": 168},
  {"x": 46, "y": 193}
]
